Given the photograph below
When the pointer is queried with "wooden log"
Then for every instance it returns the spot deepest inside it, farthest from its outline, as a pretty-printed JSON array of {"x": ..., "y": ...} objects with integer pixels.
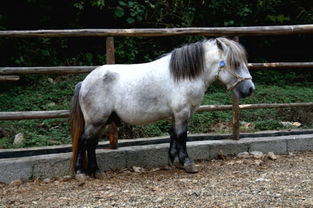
[
  {"x": 281, "y": 65},
  {"x": 110, "y": 52},
  {"x": 236, "y": 114},
  {"x": 9, "y": 78},
  {"x": 207, "y": 108},
  {"x": 275, "y": 105},
  {"x": 87, "y": 69},
  {"x": 21, "y": 115},
  {"x": 235, "y": 111},
  {"x": 204, "y": 108},
  {"x": 47, "y": 70},
  {"x": 155, "y": 32}
]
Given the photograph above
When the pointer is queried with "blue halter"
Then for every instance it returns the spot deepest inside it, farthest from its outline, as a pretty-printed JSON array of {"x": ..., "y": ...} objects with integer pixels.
[
  {"x": 222, "y": 63},
  {"x": 239, "y": 78}
]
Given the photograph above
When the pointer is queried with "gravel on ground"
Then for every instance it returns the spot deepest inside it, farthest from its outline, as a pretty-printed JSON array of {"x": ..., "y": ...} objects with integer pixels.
[{"x": 243, "y": 181}]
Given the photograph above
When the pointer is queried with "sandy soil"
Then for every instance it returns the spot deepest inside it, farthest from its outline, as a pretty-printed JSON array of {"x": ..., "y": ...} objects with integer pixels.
[{"x": 227, "y": 182}]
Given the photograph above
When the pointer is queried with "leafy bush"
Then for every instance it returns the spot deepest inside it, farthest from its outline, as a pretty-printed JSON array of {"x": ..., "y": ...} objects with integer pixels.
[{"x": 269, "y": 124}]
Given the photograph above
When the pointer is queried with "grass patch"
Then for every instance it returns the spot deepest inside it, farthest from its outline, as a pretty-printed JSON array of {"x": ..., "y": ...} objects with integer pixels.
[{"x": 39, "y": 92}]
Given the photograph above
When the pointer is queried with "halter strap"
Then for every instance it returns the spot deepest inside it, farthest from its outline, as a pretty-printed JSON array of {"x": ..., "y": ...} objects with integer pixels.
[{"x": 239, "y": 78}]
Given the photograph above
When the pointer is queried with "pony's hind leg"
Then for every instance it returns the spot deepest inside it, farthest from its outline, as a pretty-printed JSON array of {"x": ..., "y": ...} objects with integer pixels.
[
  {"x": 88, "y": 142},
  {"x": 114, "y": 121},
  {"x": 93, "y": 169},
  {"x": 113, "y": 135},
  {"x": 81, "y": 158}
]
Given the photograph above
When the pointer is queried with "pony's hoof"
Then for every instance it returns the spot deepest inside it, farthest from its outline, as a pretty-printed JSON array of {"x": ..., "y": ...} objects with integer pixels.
[
  {"x": 80, "y": 174},
  {"x": 191, "y": 168},
  {"x": 81, "y": 178},
  {"x": 171, "y": 163},
  {"x": 113, "y": 146},
  {"x": 98, "y": 174}
]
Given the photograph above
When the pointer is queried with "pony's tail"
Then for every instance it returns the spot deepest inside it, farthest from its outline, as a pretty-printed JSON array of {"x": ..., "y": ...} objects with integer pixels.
[{"x": 76, "y": 124}]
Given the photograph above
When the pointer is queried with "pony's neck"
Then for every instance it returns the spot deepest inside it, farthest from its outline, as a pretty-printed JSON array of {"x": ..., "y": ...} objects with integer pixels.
[{"x": 212, "y": 59}]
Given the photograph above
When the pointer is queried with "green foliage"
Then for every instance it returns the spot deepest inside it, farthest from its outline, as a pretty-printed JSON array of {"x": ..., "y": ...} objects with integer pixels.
[
  {"x": 281, "y": 19},
  {"x": 98, "y": 3},
  {"x": 133, "y": 11},
  {"x": 269, "y": 124},
  {"x": 126, "y": 50},
  {"x": 131, "y": 14},
  {"x": 39, "y": 94},
  {"x": 6, "y": 143},
  {"x": 82, "y": 5},
  {"x": 36, "y": 132},
  {"x": 35, "y": 92}
]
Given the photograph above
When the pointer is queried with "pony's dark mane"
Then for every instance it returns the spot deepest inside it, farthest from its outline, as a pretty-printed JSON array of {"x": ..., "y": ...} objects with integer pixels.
[{"x": 187, "y": 62}]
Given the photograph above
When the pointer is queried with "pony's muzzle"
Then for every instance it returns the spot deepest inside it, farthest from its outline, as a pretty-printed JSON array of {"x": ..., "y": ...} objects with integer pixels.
[{"x": 244, "y": 89}]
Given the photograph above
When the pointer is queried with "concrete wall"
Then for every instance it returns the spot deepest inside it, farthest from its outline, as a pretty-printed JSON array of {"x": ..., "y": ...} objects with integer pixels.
[{"x": 148, "y": 156}]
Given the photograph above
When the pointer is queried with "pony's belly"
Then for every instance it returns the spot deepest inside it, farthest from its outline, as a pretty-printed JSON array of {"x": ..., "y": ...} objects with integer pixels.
[{"x": 142, "y": 117}]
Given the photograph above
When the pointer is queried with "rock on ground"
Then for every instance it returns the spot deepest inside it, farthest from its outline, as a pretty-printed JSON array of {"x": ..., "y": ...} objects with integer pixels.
[
  {"x": 271, "y": 156},
  {"x": 257, "y": 154},
  {"x": 19, "y": 139}
]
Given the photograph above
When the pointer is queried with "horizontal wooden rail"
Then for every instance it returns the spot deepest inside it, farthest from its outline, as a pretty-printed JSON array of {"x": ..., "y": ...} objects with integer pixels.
[
  {"x": 47, "y": 70},
  {"x": 204, "y": 108},
  {"x": 87, "y": 69},
  {"x": 9, "y": 78},
  {"x": 280, "y": 65},
  {"x": 21, "y": 115},
  {"x": 155, "y": 32}
]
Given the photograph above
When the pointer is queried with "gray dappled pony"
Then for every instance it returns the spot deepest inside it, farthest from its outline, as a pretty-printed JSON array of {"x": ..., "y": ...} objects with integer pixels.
[{"x": 171, "y": 86}]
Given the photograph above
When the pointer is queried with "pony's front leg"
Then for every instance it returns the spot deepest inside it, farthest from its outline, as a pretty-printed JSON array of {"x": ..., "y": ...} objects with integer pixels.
[
  {"x": 173, "y": 151},
  {"x": 180, "y": 137}
]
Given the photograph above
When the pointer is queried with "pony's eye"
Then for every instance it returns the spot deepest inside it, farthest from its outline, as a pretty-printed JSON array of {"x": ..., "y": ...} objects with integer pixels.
[{"x": 237, "y": 64}]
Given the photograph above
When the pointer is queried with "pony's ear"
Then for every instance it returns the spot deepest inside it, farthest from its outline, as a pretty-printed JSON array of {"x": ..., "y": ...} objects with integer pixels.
[{"x": 219, "y": 44}]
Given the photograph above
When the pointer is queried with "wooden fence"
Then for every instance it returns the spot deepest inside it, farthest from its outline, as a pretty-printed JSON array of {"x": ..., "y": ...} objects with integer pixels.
[{"x": 11, "y": 73}]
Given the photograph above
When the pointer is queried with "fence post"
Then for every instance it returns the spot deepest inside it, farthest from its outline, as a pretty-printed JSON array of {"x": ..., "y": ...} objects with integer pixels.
[
  {"x": 235, "y": 110},
  {"x": 110, "y": 58},
  {"x": 236, "y": 126},
  {"x": 110, "y": 53}
]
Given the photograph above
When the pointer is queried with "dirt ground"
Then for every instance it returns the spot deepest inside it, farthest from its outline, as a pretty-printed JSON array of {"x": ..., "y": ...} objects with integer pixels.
[{"x": 227, "y": 182}]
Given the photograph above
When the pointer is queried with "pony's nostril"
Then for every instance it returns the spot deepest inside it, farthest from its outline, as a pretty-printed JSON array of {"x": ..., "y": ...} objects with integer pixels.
[{"x": 251, "y": 89}]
